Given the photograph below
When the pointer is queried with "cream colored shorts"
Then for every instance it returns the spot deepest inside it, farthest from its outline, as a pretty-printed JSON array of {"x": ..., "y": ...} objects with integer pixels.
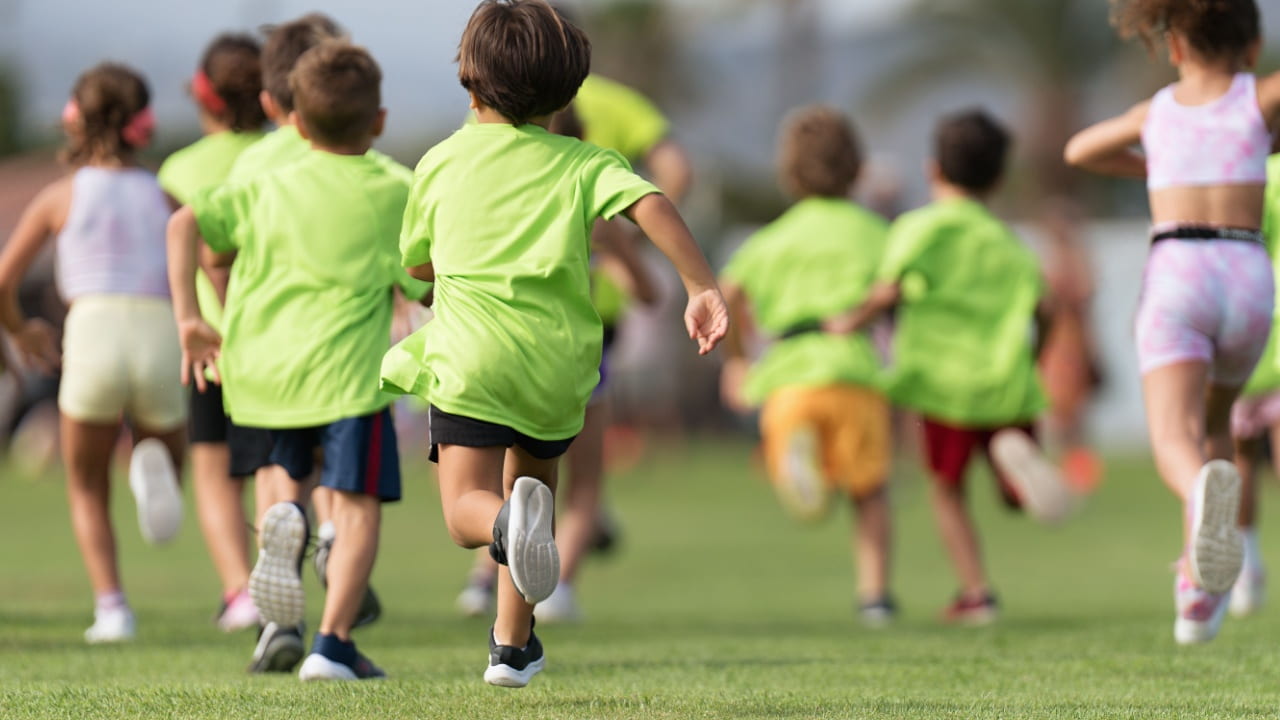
[{"x": 120, "y": 358}]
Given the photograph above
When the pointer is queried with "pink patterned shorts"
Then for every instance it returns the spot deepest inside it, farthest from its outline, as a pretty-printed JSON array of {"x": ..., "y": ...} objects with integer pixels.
[{"x": 1208, "y": 301}]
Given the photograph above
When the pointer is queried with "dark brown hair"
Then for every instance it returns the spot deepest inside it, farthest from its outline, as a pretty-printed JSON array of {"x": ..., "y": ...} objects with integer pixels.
[
  {"x": 107, "y": 96},
  {"x": 818, "y": 153},
  {"x": 233, "y": 64},
  {"x": 1217, "y": 29},
  {"x": 336, "y": 92},
  {"x": 285, "y": 44},
  {"x": 522, "y": 59},
  {"x": 971, "y": 147}
]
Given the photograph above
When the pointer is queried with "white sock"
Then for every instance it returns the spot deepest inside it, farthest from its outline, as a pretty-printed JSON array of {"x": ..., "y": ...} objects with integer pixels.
[
  {"x": 107, "y": 601},
  {"x": 1252, "y": 554},
  {"x": 327, "y": 531}
]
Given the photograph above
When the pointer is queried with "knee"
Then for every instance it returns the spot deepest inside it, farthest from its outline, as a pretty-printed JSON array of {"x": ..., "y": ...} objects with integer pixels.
[{"x": 455, "y": 532}]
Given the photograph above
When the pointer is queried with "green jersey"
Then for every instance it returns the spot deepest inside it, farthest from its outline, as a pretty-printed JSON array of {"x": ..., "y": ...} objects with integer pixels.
[
  {"x": 1266, "y": 378},
  {"x": 819, "y": 259},
  {"x": 504, "y": 215},
  {"x": 963, "y": 345},
  {"x": 282, "y": 146},
  {"x": 618, "y": 118}
]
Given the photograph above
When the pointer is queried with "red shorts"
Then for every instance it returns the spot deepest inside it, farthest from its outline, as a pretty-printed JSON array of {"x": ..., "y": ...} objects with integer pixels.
[{"x": 949, "y": 448}]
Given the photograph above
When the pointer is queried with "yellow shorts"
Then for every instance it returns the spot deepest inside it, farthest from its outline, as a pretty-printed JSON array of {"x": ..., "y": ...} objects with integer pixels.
[
  {"x": 852, "y": 427},
  {"x": 120, "y": 357}
]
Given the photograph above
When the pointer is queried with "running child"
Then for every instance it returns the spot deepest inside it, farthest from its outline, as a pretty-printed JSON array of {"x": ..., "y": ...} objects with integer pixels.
[
  {"x": 825, "y": 422},
  {"x": 1208, "y": 293},
  {"x": 314, "y": 249},
  {"x": 225, "y": 88},
  {"x": 968, "y": 295},
  {"x": 120, "y": 354},
  {"x": 500, "y": 216}
]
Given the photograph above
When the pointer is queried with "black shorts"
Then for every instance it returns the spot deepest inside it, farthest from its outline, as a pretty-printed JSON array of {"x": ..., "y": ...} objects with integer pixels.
[
  {"x": 450, "y": 429},
  {"x": 360, "y": 455},
  {"x": 208, "y": 423}
]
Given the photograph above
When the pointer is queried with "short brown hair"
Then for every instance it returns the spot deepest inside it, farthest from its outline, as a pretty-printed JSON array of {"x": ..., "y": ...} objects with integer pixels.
[
  {"x": 1217, "y": 29},
  {"x": 818, "y": 153},
  {"x": 522, "y": 58},
  {"x": 285, "y": 44},
  {"x": 233, "y": 64},
  {"x": 336, "y": 89},
  {"x": 970, "y": 147},
  {"x": 107, "y": 97}
]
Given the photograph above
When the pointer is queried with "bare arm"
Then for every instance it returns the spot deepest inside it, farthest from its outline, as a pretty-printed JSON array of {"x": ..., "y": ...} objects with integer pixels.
[
  {"x": 705, "y": 317},
  {"x": 1269, "y": 99},
  {"x": 669, "y": 165},
  {"x": 34, "y": 338},
  {"x": 201, "y": 344},
  {"x": 882, "y": 298},
  {"x": 1108, "y": 147}
]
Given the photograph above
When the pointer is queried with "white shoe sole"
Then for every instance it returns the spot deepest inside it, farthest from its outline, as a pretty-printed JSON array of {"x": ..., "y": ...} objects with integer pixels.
[
  {"x": 1192, "y": 632},
  {"x": 801, "y": 488},
  {"x": 95, "y": 635},
  {"x": 532, "y": 556},
  {"x": 509, "y": 677},
  {"x": 275, "y": 584},
  {"x": 1043, "y": 491},
  {"x": 319, "y": 667},
  {"x": 1217, "y": 549},
  {"x": 154, "y": 483}
]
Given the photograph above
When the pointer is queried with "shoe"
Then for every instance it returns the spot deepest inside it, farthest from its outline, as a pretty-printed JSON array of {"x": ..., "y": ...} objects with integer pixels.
[
  {"x": 476, "y": 600},
  {"x": 154, "y": 483},
  {"x": 1200, "y": 612},
  {"x": 560, "y": 607},
  {"x": 276, "y": 581},
  {"x": 279, "y": 649},
  {"x": 1216, "y": 550},
  {"x": 1249, "y": 593},
  {"x": 878, "y": 613},
  {"x": 1040, "y": 486},
  {"x": 370, "y": 607},
  {"x": 971, "y": 611},
  {"x": 801, "y": 486},
  {"x": 333, "y": 659},
  {"x": 607, "y": 534},
  {"x": 511, "y": 666},
  {"x": 238, "y": 613},
  {"x": 523, "y": 540},
  {"x": 111, "y": 626}
]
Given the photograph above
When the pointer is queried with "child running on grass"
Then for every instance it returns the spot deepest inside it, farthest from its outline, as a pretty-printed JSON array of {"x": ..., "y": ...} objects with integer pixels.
[
  {"x": 225, "y": 88},
  {"x": 500, "y": 217},
  {"x": 1208, "y": 291},
  {"x": 314, "y": 271},
  {"x": 968, "y": 293},
  {"x": 120, "y": 354},
  {"x": 825, "y": 423}
]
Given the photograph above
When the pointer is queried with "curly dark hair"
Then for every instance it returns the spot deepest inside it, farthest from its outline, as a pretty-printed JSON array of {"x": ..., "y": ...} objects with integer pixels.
[
  {"x": 818, "y": 153},
  {"x": 1217, "y": 29},
  {"x": 233, "y": 64},
  {"x": 107, "y": 97}
]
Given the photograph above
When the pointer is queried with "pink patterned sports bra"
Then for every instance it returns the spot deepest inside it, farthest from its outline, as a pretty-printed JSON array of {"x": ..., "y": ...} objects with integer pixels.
[{"x": 1223, "y": 142}]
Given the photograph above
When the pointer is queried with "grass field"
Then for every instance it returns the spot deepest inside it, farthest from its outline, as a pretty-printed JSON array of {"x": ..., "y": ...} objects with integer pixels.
[{"x": 715, "y": 607}]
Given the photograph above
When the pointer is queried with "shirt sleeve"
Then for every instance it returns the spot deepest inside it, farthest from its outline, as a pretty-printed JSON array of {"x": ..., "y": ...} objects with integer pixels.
[
  {"x": 905, "y": 244},
  {"x": 743, "y": 265},
  {"x": 415, "y": 235},
  {"x": 611, "y": 185},
  {"x": 219, "y": 212}
]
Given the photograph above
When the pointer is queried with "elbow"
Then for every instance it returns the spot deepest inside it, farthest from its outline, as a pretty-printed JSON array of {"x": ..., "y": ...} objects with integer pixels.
[{"x": 1075, "y": 154}]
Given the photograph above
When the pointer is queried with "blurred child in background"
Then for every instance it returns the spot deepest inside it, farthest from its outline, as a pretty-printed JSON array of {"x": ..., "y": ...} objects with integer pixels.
[
  {"x": 225, "y": 88},
  {"x": 1208, "y": 292},
  {"x": 825, "y": 422},
  {"x": 120, "y": 356}
]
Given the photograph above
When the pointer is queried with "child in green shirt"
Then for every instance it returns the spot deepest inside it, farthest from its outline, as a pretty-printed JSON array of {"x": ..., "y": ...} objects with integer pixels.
[
  {"x": 967, "y": 293},
  {"x": 500, "y": 217},
  {"x": 315, "y": 268}
]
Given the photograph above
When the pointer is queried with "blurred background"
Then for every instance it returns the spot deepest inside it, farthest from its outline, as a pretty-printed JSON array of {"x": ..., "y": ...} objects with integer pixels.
[{"x": 724, "y": 72}]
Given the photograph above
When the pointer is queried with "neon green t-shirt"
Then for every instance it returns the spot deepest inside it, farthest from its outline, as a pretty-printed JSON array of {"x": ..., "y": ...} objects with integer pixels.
[
  {"x": 504, "y": 215},
  {"x": 1266, "y": 378},
  {"x": 618, "y": 118},
  {"x": 282, "y": 146},
  {"x": 963, "y": 343},
  {"x": 203, "y": 164},
  {"x": 308, "y": 314},
  {"x": 819, "y": 259}
]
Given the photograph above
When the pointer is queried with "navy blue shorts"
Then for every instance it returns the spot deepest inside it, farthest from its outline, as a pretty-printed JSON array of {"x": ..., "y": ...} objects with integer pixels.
[{"x": 360, "y": 455}]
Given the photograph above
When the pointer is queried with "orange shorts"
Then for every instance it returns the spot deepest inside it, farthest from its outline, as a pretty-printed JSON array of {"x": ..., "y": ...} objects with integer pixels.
[{"x": 852, "y": 428}]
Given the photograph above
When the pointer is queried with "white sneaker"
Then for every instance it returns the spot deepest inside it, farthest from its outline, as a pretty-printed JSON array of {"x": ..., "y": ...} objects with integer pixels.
[
  {"x": 1216, "y": 550},
  {"x": 1200, "y": 613},
  {"x": 475, "y": 600},
  {"x": 560, "y": 607},
  {"x": 1041, "y": 487},
  {"x": 802, "y": 488},
  {"x": 111, "y": 626},
  {"x": 1249, "y": 593},
  {"x": 154, "y": 483},
  {"x": 531, "y": 551},
  {"x": 276, "y": 581}
]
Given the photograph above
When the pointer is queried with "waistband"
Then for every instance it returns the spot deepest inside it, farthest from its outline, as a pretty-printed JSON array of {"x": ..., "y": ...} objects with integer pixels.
[
  {"x": 1206, "y": 233},
  {"x": 803, "y": 328}
]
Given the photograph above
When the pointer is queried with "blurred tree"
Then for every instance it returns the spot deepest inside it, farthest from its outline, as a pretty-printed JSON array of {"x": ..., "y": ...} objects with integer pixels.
[{"x": 633, "y": 41}]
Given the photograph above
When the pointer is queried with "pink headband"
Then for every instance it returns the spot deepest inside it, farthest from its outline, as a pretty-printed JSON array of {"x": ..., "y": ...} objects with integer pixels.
[
  {"x": 137, "y": 134},
  {"x": 205, "y": 94}
]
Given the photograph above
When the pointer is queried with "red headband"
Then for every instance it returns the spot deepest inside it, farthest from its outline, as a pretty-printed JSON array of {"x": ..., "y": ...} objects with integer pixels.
[
  {"x": 137, "y": 134},
  {"x": 205, "y": 95}
]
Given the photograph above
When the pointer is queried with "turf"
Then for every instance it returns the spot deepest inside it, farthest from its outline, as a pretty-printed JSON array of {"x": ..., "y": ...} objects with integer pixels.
[{"x": 716, "y": 606}]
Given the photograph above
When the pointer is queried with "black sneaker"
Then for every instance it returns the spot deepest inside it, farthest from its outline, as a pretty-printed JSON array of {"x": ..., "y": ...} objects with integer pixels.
[
  {"x": 513, "y": 667},
  {"x": 279, "y": 649},
  {"x": 276, "y": 581},
  {"x": 370, "y": 608},
  {"x": 333, "y": 659},
  {"x": 879, "y": 612}
]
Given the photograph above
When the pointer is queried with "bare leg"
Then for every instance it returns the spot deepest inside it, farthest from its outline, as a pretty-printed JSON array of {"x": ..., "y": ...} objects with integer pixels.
[
  {"x": 86, "y": 452},
  {"x": 273, "y": 485},
  {"x": 872, "y": 545},
  {"x": 515, "y": 616},
  {"x": 960, "y": 538},
  {"x": 1217, "y": 413},
  {"x": 323, "y": 500},
  {"x": 357, "y": 519},
  {"x": 220, "y": 507},
  {"x": 1175, "y": 398},
  {"x": 576, "y": 530}
]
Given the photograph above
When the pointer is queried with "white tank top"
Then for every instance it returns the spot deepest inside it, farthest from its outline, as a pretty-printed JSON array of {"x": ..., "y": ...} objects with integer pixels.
[{"x": 113, "y": 242}]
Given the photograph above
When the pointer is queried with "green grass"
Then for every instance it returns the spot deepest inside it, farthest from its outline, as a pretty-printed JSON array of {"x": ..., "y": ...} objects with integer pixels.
[{"x": 716, "y": 607}]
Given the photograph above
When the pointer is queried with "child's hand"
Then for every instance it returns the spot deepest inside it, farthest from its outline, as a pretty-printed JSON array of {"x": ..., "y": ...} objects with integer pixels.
[
  {"x": 36, "y": 343},
  {"x": 201, "y": 347},
  {"x": 732, "y": 377},
  {"x": 706, "y": 317}
]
